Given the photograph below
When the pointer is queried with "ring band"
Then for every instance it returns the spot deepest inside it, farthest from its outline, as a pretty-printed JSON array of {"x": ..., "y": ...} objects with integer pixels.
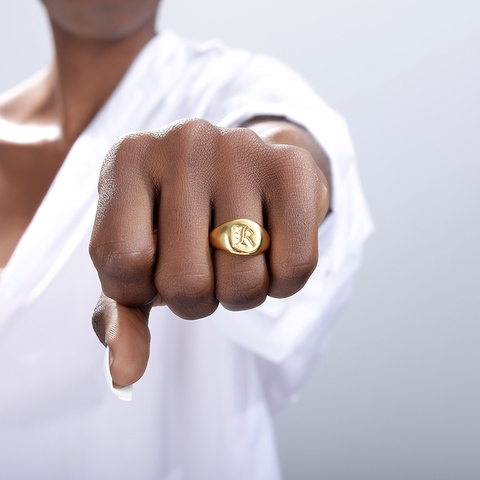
[{"x": 241, "y": 237}]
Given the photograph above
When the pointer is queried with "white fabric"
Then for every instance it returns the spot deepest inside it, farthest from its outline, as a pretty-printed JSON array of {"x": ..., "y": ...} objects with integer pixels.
[{"x": 203, "y": 408}]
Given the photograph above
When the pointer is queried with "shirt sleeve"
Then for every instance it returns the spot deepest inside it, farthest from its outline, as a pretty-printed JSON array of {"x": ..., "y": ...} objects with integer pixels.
[{"x": 282, "y": 328}]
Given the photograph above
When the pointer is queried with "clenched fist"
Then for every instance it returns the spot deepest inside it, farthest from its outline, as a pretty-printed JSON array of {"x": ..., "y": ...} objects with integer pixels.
[{"x": 162, "y": 191}]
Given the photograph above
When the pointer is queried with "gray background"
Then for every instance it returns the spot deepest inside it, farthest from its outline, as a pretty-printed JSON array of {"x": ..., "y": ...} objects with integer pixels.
[{"x": 397, "y": 395}]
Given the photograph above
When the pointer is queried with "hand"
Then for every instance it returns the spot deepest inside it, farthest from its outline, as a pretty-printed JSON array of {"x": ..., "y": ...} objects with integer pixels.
[{"x": 162, "y": 191}]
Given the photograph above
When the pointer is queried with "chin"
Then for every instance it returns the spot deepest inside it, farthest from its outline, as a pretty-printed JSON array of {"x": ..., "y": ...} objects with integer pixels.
[{"x": 101, "y": 19}]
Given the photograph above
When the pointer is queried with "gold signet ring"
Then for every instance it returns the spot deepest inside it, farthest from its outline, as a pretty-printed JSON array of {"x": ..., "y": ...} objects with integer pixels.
[{"x": 241, "y": 237}]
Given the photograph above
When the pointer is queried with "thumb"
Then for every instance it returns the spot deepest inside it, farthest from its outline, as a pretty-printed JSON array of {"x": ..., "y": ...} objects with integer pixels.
[{"x": 125, "y": 331}]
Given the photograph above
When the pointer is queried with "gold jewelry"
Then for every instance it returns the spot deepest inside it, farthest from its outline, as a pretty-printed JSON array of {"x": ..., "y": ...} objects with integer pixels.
[{"x": 241, "y": 237}]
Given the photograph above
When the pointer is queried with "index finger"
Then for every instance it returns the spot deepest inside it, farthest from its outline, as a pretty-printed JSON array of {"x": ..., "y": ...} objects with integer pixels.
[{"x": 123, "y": 242}]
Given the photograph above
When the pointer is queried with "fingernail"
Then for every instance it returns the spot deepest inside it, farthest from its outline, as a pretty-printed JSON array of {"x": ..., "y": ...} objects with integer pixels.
[{"x": 124, "y": 393}]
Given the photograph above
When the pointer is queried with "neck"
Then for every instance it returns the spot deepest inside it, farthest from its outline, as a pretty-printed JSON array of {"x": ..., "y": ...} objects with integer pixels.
[{"x": 85, "y": 73}]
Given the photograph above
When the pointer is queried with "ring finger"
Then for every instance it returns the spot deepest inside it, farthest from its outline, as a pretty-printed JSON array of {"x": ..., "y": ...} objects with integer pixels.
[{"x": 241, "y": 281}]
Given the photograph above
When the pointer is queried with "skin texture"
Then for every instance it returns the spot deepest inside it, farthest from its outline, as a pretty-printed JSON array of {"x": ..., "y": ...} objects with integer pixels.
[
  {"x": 161, "y": 191},
  {"x": 41, "y": 118},
  {"x": 103, "y": 20},
  {"x": 174, "y": 185}
]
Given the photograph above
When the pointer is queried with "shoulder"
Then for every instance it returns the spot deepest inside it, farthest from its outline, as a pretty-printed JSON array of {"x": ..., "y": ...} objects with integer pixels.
[
  {"x": 212, "y": 66},
  {"x": 214, "y": 58}
]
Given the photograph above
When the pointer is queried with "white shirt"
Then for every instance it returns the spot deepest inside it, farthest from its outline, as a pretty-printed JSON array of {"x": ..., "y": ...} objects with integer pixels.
[{"x": 203, "y": 409}]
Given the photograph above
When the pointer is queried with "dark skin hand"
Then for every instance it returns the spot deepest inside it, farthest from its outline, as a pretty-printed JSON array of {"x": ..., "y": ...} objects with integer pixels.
[{"x": 161, "y": 191}]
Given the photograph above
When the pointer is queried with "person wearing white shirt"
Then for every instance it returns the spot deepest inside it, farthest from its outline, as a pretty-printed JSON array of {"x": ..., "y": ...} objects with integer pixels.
[{"x": 183, "y": 138}]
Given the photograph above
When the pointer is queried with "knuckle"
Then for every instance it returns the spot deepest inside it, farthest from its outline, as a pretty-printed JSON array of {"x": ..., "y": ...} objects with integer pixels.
[
  {"x": 245, "y": 140},
  {"x": 292, "y": 275},
  {"x": 195, "y": 129},
  {"x": 129, "y": 150},
  {"x": 136, "y": 143},
  {"x": 185, "y": 289},
  {"x": 199, "y": 124},
  {"x": 195, "y": 142},
  {"x": 295, "y": 158},
  {"x": 244, "y": 289},
  {"x": 126, "y": 265},
  {"x": 301, "y": 160},
  {"x": 246, "y": 136},
  {"x": 297, "y": 175},
  {"x": 126, "y": 159}
]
